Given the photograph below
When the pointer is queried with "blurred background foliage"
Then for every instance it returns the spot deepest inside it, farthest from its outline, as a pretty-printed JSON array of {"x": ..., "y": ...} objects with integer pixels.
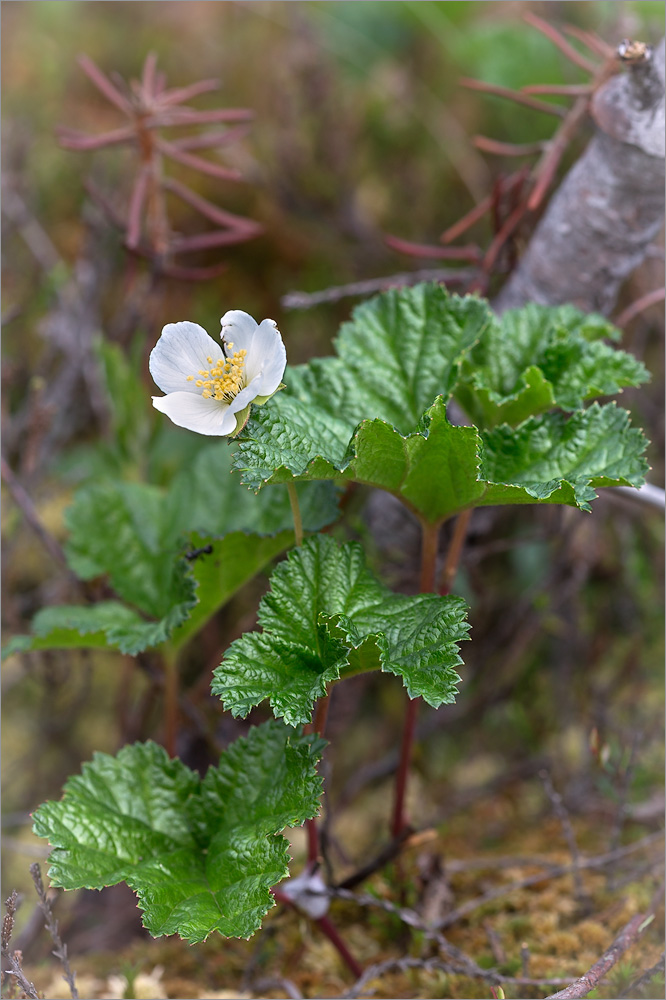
[{"x": 360, "y": 129}]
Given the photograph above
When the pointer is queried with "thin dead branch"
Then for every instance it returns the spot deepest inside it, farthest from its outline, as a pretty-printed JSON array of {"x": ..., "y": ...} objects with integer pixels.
[
  {"x": 305, "y": 300},
  {"x": 32, "y": 518},
  {"x": 13, "y": 958},
  {"x": 51, "y": 924},
  {"x": 565, "y": 821},
  {"x": 624, "y": 940}
]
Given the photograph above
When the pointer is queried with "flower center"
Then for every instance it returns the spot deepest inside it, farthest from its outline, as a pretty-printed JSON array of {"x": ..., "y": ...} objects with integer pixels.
[{"x": 224, "y": 379}]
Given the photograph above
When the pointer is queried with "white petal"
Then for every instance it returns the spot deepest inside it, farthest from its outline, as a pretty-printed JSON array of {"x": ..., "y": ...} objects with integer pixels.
[
  {"x": 267, "y": 358},
  {"x": 205, "y": 416},
  {"x": 238, "y": 328},
  {"x": 182, "y": 350},
  {"x": 245, "y": 396}
]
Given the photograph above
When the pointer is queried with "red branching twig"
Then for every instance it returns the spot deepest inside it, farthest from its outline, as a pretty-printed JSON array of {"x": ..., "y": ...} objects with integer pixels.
[
  {"x": 188, "y": 116},
  {"x": 513, "y": 95},
  {"x": 197, "y": 162},
  {"x": 71, "y": 139},
  {"x": 467, "y": 221},
  {"x": 644, "y": 302},
  {"x": 508, "y": 214},
  {"x": 181, "y": 94},
  {"x": 590, "y": 40},
  {"x": 560, "y": 41},
  {"x": 149, "y": 106},
  {"x": 217, "y": 215},
  {"x": 559, "y": 89},
  {"x": 546, "y": 169},
  {"x": 488, "y": 145},
  {"x": 471, "y": 253},
  {"x": 208, "y": 140},
  {"x": 104, "y": 85},
  {"x": 137, "y": 200}
]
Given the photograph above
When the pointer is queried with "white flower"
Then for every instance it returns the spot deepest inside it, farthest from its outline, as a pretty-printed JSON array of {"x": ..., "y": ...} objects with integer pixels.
[{"x": 209, "y": 387}]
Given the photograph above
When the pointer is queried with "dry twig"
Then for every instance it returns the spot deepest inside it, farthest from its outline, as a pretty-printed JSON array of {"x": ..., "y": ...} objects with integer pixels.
[
  {"x": 624, "y": 940},
  {"x": 13, "y": 958},
  {"x": 304, "y": 300},
  {"x": 51, "y": 924},
  {"x": 565, "y": 821}
]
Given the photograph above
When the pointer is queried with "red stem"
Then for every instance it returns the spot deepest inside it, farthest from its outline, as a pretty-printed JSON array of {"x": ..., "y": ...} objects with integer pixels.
[
  {"x": 324, "y": 923},
  {"x": 429, "y": 544},
  {"x": 318, "y": 725}
]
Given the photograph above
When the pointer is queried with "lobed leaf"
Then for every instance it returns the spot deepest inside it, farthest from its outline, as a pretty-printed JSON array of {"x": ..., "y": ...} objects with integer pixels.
[
  {"x": 325, "y": 617},
  {"x": 537, "y": 357},
  {"x": 442, "y": 469},
  {"x": 201, "y": 854},
  {"x": 137, "y": 535}
]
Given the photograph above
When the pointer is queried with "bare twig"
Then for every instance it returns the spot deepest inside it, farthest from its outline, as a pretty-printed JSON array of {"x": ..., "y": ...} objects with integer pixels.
[
  {"x": 625, "y": 939},
  {"x": 51, "y": 924},
  {"x": 304, "y": 300},
  {"x": 13, "y": 958},
  {"x": 560, "y": 41},
  {"x": 436, "y": 964},
  {"x": 565, "y": 821},
  {"x": 497, "y": 148},
  {"x": 645, "y": 977},
  {"x": 514, "y": 95},
  {"x": 590, "y": 40},
  {"x": 584, "y": 863},
  {"x": 31, "y": 516}
]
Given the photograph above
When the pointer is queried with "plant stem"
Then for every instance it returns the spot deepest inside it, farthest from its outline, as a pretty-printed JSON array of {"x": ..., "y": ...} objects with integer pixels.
[
  {"x": 326, "y": 925},
  {"x": 318, "y": 726},
  {"x": 170, "y": 703},
  {"x": 296, "y": 513},
  {"x": 455, "y": 550},
  {"x": 429, "y": 544}
]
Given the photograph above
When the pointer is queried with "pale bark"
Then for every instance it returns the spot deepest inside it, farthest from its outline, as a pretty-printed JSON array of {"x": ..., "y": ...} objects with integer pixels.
[{"x": 609, "y": 207}]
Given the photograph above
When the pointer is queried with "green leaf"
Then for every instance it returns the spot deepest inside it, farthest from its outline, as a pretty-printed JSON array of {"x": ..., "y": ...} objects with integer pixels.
[
  {"x": 325, "y": 617},
  {"x": 201, "y": 855},
  {"x": 400, "y": 350},
  {"x": 443, "y": 469},
  {"x": 537, "y": 357},
  {"x": 205, "y": 498},
  {"x": 120, "y": 529},
  {"x": 404, "y": 347},
  {"x": 107, "y": 623},
  {"x": 558, "y": 460},
  {"x": 137, "y": 534}
]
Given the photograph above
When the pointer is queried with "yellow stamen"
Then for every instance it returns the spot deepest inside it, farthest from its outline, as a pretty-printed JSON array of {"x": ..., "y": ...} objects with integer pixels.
[{"x": 225, "y": 379}]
